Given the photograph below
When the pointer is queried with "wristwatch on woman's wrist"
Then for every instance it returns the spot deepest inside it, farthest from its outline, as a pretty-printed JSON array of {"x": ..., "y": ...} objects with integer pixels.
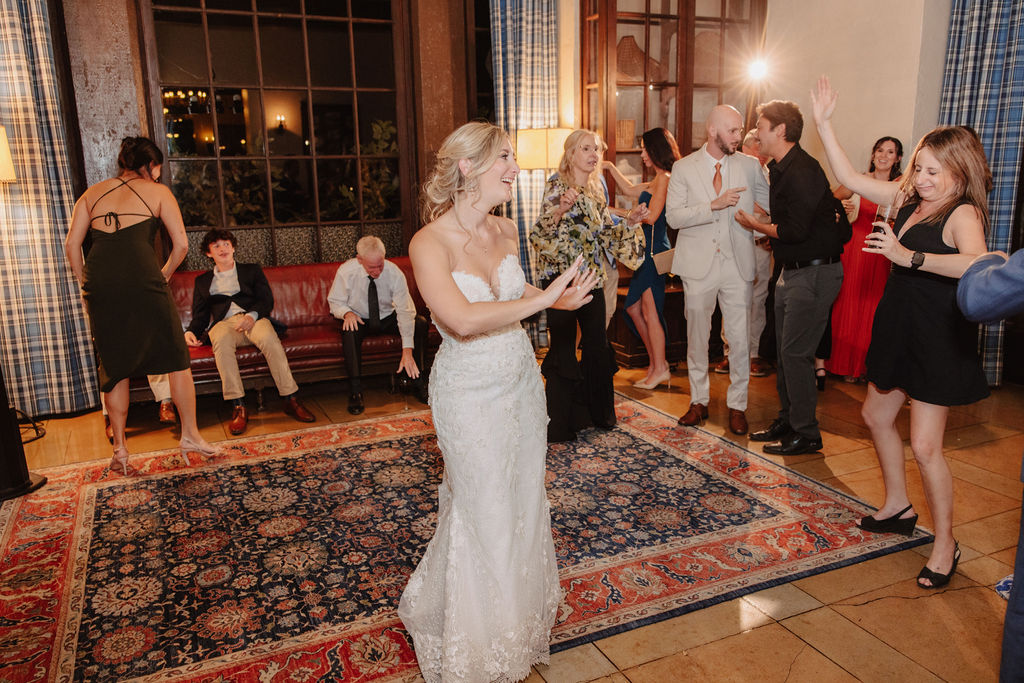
[{"x": 917, "y": 260}]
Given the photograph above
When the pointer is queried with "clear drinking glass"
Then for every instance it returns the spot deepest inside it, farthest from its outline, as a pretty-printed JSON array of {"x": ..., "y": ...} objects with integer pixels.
[{"x": 887, "y": 214}]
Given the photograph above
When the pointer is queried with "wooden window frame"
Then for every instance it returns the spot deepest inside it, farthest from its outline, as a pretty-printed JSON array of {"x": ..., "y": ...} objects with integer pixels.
[
  {"x": 405, "y": 135},
  {"x": 604, "y": 13}
]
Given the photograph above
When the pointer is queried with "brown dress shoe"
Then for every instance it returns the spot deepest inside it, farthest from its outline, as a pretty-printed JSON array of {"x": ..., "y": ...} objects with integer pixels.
[
  {"x": 293, "y": 407},
  {"x": 107, "y": 429},
  {"x": 738, "y": 421},
  {"x": 722, "y": 367},
  {"x": 167, "y": 413},
  {"x": 759, "y": 367},
  {"x": 239, "y": 420},
  {"x": 697, "y": 413}
]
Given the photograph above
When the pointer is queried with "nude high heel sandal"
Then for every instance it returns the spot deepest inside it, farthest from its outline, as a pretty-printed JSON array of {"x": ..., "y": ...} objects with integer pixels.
[
  {"x": 187, "y": 445},
  {"x": 120, "y": 458}
]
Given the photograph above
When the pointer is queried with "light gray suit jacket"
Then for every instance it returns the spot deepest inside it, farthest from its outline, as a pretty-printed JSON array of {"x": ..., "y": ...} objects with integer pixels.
[{"x": 688, "y": 210}]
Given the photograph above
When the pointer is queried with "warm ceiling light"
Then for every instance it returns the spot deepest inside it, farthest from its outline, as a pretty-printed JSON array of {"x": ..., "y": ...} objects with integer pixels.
[{"x": 757, "y": 70}]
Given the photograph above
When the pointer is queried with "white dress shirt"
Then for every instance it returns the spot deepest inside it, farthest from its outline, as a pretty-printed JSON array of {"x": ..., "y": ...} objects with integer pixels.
[
  {"x": 226, "y": 283},
  {"x": 348, "y": 293}
]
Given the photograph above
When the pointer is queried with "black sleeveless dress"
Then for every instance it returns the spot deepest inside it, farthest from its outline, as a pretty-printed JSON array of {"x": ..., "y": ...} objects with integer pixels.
[
  {"x": 920, "y": 341},
  {"x": 135, "y": 325}
]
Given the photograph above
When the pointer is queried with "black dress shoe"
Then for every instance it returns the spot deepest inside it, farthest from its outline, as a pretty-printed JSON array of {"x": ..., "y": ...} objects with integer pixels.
[
  {"x": 355, "y": 403},
  {"x": 776, "y": 430},
  {"x": 794, "y": 444}
]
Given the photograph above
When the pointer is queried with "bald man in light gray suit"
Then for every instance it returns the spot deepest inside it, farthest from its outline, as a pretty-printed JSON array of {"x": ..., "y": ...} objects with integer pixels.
[{"x": 714, "y": 256}]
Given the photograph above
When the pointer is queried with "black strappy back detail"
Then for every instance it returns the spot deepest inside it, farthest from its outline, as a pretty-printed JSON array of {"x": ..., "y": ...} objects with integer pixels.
[{"x": 113, "y": 217}]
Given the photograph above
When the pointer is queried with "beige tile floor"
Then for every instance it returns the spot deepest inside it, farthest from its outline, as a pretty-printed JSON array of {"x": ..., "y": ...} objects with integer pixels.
[{"x": 865, "y": 622}]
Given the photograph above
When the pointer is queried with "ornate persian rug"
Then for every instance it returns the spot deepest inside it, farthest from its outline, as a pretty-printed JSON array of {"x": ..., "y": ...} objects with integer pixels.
[{"x": 285, "y": 558}]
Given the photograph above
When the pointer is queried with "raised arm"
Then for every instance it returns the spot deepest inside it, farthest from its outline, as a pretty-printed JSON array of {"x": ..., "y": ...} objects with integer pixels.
[
  {"x": 824, "y": 99},
  {"x": 432, "y": 267},
  {"x": 622, "y": 183}
]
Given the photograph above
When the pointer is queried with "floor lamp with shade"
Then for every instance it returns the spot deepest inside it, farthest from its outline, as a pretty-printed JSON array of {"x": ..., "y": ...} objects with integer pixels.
[{"x": 15, "y": 479}]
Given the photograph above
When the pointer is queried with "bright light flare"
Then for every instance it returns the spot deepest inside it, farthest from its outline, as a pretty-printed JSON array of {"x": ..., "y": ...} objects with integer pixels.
[{"x": 757, "y": 70}]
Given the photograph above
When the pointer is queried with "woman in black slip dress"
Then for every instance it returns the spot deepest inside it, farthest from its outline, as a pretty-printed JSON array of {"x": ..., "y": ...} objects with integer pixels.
[
  {"x": 921, "y": 348},
  {"x": 135, "y": 325}
]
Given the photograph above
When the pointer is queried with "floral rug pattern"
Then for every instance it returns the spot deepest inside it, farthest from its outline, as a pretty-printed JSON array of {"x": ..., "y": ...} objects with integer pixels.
[{"x": 284, "y": 560}]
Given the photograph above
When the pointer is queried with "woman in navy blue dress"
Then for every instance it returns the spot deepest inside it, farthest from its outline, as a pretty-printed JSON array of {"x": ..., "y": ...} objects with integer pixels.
[{"x": 646, "y": 296}]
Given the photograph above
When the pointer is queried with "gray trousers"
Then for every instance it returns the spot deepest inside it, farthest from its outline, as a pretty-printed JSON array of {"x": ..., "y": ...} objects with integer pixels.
[{"x": 803, "y": 298}]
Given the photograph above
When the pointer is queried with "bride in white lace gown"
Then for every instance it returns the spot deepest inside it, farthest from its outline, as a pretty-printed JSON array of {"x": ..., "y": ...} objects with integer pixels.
[{"x": 481, "y": 603}]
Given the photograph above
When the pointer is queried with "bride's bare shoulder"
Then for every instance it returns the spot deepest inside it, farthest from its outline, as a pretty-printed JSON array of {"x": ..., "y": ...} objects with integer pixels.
[{"x": 433, "y": 239}]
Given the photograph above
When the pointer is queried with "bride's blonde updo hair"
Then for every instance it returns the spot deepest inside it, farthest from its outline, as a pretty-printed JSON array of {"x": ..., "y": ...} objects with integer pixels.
[{"x": 479, "y": 142}]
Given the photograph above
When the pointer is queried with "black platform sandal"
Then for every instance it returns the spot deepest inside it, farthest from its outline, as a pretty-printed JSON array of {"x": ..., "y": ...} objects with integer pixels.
[
  {"x": 938, "y": 580},
  {"x": 890, "y": 525}
]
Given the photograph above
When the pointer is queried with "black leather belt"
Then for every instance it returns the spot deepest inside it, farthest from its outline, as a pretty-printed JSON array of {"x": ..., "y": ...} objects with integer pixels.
[{"x": 794, "y": 265}]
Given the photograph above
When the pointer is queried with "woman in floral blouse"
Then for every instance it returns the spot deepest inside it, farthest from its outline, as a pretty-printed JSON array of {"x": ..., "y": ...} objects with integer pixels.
[{"x": 575, "y": 219}]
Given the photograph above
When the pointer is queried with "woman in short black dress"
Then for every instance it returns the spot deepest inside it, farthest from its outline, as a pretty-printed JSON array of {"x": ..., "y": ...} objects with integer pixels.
[
  {"x": 135, "y": 324},
  {"x": 921, "y": 348}
]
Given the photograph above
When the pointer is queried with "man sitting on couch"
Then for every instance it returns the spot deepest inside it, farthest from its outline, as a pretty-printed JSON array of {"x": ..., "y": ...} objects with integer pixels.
[
  {"x": 371, "y": 297},
  {"x": 231, "y": 307}
]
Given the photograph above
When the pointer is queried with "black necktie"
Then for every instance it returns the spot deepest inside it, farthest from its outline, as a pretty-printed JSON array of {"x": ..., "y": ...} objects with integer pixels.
[{"x": 373, "y": 322}]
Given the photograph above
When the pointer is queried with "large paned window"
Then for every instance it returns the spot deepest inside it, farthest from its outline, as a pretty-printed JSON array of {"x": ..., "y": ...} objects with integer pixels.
[
  {"x": 664, "y": 63},
  {"x": 284, "y": 121}
]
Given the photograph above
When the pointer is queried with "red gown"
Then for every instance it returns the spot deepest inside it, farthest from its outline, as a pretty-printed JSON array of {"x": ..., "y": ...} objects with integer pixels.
[{"x": 864, "y": 277}]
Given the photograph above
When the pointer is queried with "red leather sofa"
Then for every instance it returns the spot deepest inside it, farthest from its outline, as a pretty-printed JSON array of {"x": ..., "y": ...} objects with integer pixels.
[{"x": 313, "y": 341}]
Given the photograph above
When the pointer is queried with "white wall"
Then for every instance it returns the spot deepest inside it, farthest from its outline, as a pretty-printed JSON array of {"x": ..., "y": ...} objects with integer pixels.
[{"x": 885, "y": 57}]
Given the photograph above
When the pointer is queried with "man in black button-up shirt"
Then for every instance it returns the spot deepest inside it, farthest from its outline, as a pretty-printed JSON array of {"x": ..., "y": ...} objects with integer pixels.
[{"x": 806, "y": 241}]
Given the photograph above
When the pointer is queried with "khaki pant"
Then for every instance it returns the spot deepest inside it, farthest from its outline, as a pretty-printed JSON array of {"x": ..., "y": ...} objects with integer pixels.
[{"x": 225, "y": 339}]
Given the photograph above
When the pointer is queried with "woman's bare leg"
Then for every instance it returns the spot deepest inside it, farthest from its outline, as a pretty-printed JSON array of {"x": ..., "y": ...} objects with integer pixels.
[
  {"x": 117, "y": 411},
  {"x": 655, "y": 341},
  {"x": 635, "y": 313},
  {"x": 927, "y": 426},
  {"x": 879, "y": 412},
  {"x": 183, "y": 392}
]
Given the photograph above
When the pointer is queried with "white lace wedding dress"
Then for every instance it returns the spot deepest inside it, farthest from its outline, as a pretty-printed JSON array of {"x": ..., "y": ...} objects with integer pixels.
[{"x": 482, "y": 601}]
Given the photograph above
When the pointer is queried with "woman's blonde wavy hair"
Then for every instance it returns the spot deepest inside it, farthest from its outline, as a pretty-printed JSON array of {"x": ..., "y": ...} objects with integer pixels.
[
  {"x": 478, "y": 141},
  {"x": 959, "y": 151},
  {"x": 575, "y": 140}
]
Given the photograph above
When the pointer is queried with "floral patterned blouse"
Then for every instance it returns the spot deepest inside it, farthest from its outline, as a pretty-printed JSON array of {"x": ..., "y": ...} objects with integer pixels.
[{"x": 586, "y": 227}]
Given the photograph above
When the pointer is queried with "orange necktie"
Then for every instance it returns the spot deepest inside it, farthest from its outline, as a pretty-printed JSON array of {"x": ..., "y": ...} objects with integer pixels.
[{"x": 717, "y": 181}]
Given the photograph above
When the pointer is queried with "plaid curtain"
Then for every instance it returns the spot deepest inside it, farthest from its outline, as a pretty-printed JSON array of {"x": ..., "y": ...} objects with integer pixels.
[
  {"x": 983, "y": 87},
  {"x": 45, "y": 347},
  {"x": 524, "y": 36}
]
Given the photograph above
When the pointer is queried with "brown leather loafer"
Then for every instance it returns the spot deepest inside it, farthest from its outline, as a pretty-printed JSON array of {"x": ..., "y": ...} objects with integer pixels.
[
  {"x": 294, "y": 408},
  {"x": 738, "y": 421},
  {"x": 239, "y": 420},
  {"x": 697, "y": 413},
  {"x": 759, "y": 367},
  {"x": 167, "y": 413},
  {"x": 722, "y": 367}
]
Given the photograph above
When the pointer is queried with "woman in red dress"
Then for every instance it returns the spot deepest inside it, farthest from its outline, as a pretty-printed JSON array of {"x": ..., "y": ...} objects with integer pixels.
[{"x": 864, "y": 274}]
